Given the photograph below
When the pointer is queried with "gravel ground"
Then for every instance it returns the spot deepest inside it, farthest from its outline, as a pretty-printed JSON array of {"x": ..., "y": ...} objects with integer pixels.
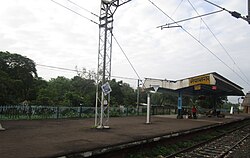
[{"x": 243, "y": 151}]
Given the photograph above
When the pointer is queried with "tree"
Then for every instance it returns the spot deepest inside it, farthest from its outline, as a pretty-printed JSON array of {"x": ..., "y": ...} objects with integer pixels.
[
  {"x": 57, "y": 90},
  {"x": 211, "y": 101},
  {"x": 18, "y": 73},
  {"x": 19, "y": 82},
  {"x": 129, "y": 94},
  {"x": 163, "y": 99},
  {"x": 7, "y": 93},
  {"x": 122, "y": 93},
  {"x": 116, "y": 96},
  {"x": 84, "y": 89},
  {"x": 39, "y": 86},
  {"x": 67, "y": 92}
]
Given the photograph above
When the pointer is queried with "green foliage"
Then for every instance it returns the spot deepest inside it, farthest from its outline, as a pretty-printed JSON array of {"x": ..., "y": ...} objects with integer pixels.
[
  {"x": 67, "y": 92},
  {"x": 211, "y": 101},
  {"x": 84, "y": 90},
  {"x": 19, "y": 82},
  {"x": 17, "y": 74},
  {"x": 129, "y": 94},
  {"x": 163, "y": 99},
  {"x": 228, "y": 105},
  {"x": 122, "y": 94}
]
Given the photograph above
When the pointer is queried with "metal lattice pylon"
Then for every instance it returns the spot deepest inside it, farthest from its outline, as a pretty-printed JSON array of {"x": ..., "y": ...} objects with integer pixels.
[{"x": 108, "y": 8}]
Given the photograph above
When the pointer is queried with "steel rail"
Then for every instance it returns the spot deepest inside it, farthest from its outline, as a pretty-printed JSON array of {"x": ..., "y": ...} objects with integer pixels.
[{"x": 219, "y": 154}]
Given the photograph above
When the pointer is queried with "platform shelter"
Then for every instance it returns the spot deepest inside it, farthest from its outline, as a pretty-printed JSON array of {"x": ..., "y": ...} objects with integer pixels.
[{"x": 210, "y": 84}]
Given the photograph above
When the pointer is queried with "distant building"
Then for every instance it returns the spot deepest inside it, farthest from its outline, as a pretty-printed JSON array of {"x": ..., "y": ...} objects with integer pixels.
[{"x": 246, "y": 103}]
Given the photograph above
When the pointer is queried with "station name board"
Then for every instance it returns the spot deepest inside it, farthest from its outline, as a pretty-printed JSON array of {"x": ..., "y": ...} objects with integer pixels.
[{"x": 205, "y": 79}]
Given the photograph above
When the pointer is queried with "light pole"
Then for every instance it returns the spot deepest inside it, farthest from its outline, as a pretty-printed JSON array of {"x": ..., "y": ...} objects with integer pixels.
[
  {"x": 155, "y": 87},
  {"x": 248, "y": 16},
  {"x": 138, "y": 95},
  {"x": 240, "y": 107},
  {"x": 148, "y": 108}
]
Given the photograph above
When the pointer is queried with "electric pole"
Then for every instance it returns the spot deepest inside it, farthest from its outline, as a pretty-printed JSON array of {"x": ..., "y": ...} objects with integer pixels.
[
  {"x": 248, "y": 16},
  {"x": 107, "y": 10}
]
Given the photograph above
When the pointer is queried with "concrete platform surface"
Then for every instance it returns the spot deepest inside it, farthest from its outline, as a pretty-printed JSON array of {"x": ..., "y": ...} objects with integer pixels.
[{"x": 54, "y": 138}]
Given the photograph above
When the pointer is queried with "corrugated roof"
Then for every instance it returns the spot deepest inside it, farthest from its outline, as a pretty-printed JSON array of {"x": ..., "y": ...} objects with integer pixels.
[{"x": 209, "y": 84}]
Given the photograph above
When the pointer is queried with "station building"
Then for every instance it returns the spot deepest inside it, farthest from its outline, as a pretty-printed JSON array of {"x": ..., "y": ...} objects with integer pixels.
[{"x": 246, "y": 103}]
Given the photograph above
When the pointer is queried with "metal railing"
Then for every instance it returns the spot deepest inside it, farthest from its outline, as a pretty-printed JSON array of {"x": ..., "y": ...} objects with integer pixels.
[{"x": 57, "y": 112}]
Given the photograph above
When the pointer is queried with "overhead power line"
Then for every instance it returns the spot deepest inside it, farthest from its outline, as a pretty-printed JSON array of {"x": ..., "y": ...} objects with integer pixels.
[
  {"x": 217, "y": 5},
  {"x": 177, "y": 7},
  {"x": 126, "y": 57},
  {"x": 233, "y": 13},
  {"x": 83, "y": 8},
  {"x": 59, "y": 68},
  {"x": 97, "y": 24},
  {"x": 127, "y": 78},
  {"x": 219, "y": 42},
  {"x": 199, "y": 16},
  {"x": 75, "y": 12},
  {"x": 198, "y": 41},
  {"x": 77, "y": 71}
]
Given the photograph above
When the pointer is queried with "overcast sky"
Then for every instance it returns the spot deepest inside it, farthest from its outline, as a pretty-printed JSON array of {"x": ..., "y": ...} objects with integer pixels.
[{"x": 52, "y": 35}]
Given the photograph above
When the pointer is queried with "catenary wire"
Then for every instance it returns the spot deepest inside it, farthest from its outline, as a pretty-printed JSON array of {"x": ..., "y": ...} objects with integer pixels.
[
  {"x": 83, "y": 8},
  {"x": 77, "y": 71},
  {"x": 233, "y": 13},
  {"x": 199, "y": 42},
  {"x": 59, "y": 68},
  {"x": 199, "y": 16},
  {"x": 216, "y": 5},
  {"x": 177, "y": 7},
  {"x": 126, "y": 56},
  {"x": 98, "y": 24},
  {"x": 219, "y": 42},
  {"x": 75, "y": 12}
]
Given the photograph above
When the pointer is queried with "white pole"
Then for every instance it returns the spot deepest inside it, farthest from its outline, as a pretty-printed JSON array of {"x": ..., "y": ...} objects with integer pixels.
[
  {"x": 148, "y": 109},
  {"x": 96, "y": 106},
  {"x": 1, "y": 128},
  {"x": 248, "y": 9},
  {"x": 102, "y": 110},
  {"x": 232, "y": 110},
  {"x": 138, "y": 96}
]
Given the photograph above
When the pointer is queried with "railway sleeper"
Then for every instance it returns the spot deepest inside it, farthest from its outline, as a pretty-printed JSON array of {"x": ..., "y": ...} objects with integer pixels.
[
  {"x": 213, "y": 151},
  {"x": 207, "y": 153}
]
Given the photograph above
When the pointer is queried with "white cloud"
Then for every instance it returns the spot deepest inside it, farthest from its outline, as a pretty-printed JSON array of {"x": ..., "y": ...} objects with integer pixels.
[{"x": 52, "y": 35}]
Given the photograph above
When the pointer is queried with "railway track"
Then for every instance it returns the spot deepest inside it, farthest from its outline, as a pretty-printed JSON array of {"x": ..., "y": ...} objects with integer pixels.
[
  {"x": 219, "y": 141},
  {"x": 218, "y": 147}
]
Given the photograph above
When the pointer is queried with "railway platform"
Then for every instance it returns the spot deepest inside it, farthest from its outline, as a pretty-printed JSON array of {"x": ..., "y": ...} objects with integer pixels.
[{"x": 63, "y": 137}]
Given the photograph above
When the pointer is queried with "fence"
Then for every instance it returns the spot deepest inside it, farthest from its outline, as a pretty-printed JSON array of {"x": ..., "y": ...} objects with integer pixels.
[{"x": 48, "y": 112}]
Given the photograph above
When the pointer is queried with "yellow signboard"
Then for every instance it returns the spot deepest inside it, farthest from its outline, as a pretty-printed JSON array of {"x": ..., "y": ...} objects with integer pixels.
[
  {"x": 205, "y": 79},
  {"x": 197, "y": 87}
]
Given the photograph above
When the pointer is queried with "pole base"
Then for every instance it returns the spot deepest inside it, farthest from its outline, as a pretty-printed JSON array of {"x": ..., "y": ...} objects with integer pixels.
[
  {"x": 1, "y": 128},
  {"x": 102, "y": 127}
]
